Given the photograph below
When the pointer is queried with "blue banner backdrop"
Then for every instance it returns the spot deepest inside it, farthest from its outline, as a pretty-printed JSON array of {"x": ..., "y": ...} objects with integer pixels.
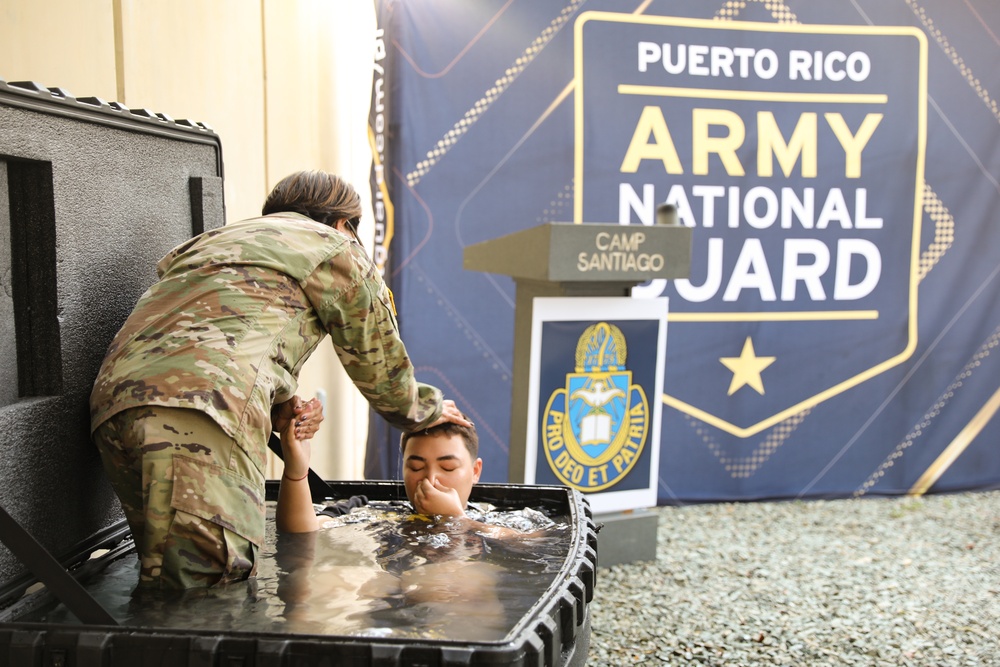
[{"x": 838, "y": 163}]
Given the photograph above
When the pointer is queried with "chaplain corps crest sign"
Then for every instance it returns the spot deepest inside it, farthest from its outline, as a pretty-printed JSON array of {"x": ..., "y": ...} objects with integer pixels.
[{"x": 592, "y": 423}]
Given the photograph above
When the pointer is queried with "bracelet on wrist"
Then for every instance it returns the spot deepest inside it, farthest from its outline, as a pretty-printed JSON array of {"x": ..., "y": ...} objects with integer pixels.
[{"x": 294, "y": 479}]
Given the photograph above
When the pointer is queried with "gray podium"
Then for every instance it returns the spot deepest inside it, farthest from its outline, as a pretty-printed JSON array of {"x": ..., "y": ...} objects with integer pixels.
[{"x": 585, "y": 260}]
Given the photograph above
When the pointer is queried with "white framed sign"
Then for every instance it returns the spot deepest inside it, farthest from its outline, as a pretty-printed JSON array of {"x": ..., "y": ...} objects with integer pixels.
[{"x": 594, "y": 418}]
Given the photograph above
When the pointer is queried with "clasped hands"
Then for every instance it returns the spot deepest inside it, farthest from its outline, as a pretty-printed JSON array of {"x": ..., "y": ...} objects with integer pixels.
[{"x": 297, "y": 421}]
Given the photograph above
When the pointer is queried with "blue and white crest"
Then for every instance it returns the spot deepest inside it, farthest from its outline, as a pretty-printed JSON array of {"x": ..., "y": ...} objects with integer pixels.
[{"x": 596, "y": 427}]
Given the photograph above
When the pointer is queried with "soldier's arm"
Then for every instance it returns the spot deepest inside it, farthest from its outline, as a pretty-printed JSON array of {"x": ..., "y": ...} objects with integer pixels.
[{"x": 355, "y": 307}]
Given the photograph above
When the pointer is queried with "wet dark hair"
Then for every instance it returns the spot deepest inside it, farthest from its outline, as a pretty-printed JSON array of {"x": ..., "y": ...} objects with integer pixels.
[
  {"x": 318, "y": 195},
  {"x": 467, "y": 433}
]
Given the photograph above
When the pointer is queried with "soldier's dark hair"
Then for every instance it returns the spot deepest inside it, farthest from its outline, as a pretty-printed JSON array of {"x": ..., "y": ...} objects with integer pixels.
[
  {"x": 318, "y": 195},
  {"x": 467, "y": 433}
]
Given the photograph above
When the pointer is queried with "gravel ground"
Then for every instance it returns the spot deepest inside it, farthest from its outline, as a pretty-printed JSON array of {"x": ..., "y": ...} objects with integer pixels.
[{"x": 877, "y": 581}]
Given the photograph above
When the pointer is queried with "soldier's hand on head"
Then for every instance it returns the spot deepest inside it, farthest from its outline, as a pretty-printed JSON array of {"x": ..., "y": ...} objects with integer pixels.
[{"x": 451, "y": 413}]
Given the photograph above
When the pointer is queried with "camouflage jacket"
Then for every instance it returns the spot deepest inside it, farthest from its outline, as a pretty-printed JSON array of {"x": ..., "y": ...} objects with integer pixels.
[{"x": 236, "y": 313}]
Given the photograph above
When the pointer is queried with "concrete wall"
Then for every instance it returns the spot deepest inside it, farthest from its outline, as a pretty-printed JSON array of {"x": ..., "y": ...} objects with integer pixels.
[{"x": 284, "y": 83}]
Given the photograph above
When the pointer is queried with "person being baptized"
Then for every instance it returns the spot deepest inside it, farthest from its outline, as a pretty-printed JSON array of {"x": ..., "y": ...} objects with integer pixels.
[{"x": 439, "y": 578}]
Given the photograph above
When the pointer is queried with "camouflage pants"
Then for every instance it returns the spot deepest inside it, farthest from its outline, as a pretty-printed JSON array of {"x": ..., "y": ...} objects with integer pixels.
[{"x": 193, "y": 499}]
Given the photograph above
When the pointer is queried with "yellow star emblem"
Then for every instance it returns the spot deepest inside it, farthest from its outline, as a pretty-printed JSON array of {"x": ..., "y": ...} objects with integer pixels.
[{"x": 746, "y": 368}]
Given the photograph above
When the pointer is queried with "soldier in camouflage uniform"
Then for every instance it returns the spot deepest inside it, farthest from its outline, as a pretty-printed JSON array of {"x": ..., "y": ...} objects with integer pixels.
[{"x": 206, "y": 366}]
